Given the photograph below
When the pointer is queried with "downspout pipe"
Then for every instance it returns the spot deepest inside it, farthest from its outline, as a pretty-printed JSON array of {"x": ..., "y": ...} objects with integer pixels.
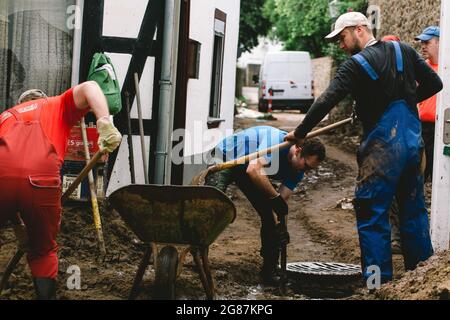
[
  {"x": 167, "y": 92},
  {"x": 77, "y": 33}
]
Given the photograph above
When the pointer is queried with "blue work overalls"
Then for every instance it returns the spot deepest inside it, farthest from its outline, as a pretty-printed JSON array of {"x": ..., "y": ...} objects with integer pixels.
[{"x": 389, "y": 160}]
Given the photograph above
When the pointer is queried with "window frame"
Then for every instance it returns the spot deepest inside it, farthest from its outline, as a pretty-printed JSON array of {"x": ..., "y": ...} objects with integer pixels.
[{"x": 218, "y": 57}]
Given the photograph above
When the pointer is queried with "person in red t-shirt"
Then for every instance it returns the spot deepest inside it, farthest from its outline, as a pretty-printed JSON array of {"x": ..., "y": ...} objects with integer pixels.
[
  {"x": 390, "y": 37},
  {"x": 429, "y": 41},
  {"x": 33, "y": 141}
]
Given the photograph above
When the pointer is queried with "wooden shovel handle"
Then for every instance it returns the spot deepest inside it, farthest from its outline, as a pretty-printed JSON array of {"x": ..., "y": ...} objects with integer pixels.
[
  {"x": 326, "y": 129},
  {"x": 81, "y": 176},
  {"x": 286, "y": 144}
]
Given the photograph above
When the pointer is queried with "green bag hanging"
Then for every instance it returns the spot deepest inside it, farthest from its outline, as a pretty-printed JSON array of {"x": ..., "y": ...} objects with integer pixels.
[{"x": 102, "y": 71}]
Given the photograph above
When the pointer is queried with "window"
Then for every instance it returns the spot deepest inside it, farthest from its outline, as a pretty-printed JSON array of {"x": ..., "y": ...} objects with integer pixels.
[
  {"x": 194, "y": 49},
  {"x": 35, "y": 47},
  {"x": 253, "y": 71},
  {"x": 217, "y": 64}
]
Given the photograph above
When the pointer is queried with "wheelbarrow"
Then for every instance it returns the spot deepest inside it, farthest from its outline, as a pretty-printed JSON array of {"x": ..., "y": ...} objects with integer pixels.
[{"x": 188, "y": 216}]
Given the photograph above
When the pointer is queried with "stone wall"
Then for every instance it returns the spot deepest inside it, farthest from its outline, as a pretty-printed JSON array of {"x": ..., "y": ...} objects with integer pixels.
[
  {"x": 407, "y": 18},
  {"x": 322, "y": 74}
]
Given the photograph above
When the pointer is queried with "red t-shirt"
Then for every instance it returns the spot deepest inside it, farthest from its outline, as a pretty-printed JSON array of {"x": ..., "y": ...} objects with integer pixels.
[
  {"x": 427, "y": 108},
  {"x": 58, "y": 116}
]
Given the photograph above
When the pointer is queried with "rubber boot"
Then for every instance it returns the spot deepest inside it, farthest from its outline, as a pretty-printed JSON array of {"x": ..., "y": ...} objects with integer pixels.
[
  {"x": 269, "y": 272},
  {"x": 45, "y": 288}
]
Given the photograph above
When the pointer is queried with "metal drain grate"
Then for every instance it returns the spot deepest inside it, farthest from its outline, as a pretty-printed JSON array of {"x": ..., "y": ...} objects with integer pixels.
[{"x": 324, "y": 269}]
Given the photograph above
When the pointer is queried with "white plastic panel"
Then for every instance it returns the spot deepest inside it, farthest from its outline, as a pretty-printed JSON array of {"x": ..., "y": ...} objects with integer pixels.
[
  {"x": 146, "y": 89},
  {"x": 121, "y": 174},
  {"x": 123, "y": 18}
]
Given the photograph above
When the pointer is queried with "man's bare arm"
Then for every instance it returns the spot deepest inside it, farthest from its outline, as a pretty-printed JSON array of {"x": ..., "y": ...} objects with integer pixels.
[
  {"x": 89, "y": 94},
  {"x": 258, "y": 176},
  {"x": 285, "y": 192}
]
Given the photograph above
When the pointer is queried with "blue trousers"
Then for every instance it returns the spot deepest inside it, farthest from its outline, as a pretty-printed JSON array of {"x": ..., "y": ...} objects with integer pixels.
[{"x": 390, "y": 160}]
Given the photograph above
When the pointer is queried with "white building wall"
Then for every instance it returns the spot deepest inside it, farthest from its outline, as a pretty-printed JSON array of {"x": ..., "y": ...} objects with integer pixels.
[
  {"x": 124, "y": 19},
  {"x": 199, "y": 90}
]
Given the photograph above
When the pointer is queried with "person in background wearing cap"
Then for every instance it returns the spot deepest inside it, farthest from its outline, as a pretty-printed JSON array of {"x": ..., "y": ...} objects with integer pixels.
[
  {"x": 387, "y": 79},
  {"x": 33, "y": 141},
  {"x": 429, "y": 41},
  {"x": 390, "y": 37}
]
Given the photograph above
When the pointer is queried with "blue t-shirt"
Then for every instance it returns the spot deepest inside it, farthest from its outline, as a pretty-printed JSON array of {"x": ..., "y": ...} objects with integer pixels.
[{"x": 260, "y": 138}]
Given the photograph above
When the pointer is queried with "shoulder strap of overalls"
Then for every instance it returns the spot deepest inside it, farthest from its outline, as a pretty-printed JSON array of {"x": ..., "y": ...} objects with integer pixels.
[
  {"x": 368, "y": 68},
  {"x": 400, "y": 90},
  {"x": 400, "y": 68},
  {"x": 398, "y": 56},
  {"x": 15, "y": 114}
]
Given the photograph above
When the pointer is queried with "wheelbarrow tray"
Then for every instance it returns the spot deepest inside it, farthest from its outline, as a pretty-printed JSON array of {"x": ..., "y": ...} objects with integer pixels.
[{"x": 186, "y": 215}]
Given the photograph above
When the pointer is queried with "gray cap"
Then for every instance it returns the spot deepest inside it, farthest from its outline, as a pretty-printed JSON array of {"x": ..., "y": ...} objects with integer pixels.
[{"x": 32, "y": 94}]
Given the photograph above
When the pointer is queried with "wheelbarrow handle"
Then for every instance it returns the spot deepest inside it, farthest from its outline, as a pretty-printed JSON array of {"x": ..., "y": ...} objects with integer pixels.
[
  {"x": 10, "y": 268},
  {"x": 281, "y": 146}
]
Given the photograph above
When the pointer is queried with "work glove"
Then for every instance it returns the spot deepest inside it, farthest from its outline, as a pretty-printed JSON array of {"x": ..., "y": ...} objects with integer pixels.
[
  {"x": 282, "y": 237},
  {"x": 109, "y": 137},
  {"x": 279, "y": 206}
]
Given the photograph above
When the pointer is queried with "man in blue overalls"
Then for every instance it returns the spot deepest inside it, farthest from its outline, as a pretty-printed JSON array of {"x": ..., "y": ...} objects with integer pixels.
[{"x": 387, "y": 79}]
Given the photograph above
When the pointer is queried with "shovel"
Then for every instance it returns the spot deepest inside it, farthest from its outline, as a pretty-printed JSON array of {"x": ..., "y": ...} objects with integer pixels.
[
  {"x": 283, "y": 262},
  {"x": 19, "y": 253},
  {"x": 199, "y": 180},
  {"x": 94, "y": 201},
  {"x": 141, "y": 128}
]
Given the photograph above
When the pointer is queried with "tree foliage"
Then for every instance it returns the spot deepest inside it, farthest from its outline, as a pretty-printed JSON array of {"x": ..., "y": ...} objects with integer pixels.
[
  {"x": 252, "y": 24},
  {"x": 302, "y": 25}
]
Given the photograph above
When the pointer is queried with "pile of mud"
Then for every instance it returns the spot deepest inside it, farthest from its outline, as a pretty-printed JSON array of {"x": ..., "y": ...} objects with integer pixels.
[
  {"x": 429, "y": 281},
  {"x": 102, "y": 277}
]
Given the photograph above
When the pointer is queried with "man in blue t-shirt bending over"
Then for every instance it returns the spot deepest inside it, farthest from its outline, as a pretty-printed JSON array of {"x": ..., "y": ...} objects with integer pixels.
[{"x": 288, "y": 166}]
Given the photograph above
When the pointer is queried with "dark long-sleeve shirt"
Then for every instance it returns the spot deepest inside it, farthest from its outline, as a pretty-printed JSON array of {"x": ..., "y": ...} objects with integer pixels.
[{"x": 418, "y": 83}]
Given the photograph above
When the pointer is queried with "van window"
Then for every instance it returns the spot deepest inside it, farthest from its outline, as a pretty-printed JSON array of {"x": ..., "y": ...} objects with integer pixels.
[{"x": 284, "y": 70}]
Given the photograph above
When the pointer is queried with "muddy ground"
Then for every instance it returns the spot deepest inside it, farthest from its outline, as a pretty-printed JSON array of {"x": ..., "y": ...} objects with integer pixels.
[{"x": 320, "y": 231}]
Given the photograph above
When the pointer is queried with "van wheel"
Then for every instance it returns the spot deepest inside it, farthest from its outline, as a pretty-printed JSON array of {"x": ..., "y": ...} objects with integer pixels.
[{"x": 262, "y": 107}]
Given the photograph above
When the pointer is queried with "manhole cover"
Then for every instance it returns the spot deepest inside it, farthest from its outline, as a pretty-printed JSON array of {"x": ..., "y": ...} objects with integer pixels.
[{"x": 323, "y": 269}]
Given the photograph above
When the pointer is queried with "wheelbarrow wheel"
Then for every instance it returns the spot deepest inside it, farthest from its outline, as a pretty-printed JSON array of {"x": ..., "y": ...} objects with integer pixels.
[{"x": 166, "y": 273}]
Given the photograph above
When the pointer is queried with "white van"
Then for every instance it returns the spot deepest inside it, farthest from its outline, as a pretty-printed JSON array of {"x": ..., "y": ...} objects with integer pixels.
[{"x": 286, "y": 81}]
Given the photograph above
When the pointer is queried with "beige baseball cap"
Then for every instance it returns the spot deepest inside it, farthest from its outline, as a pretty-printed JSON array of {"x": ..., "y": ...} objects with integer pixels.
[{"x": 349, "y": 19}]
